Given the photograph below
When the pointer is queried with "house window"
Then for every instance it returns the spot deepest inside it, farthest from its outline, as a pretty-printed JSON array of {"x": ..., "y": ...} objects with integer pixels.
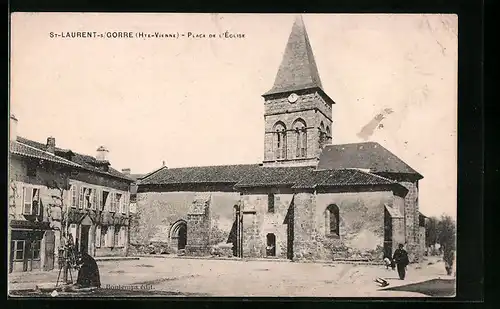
[
  {"x": 31, "y": 201},
  {"x": 88, "y": 198},
  {"x": 332, "y": 220},
  {"x": 104, "y": 202},
  {"x": 35, "y": 249},
  {"x": 74, "y": 196},
  {"x": 270, "y": 203},
  {"x": 31, "y": 170},
  {"x": 18, "y": 246},
  {"x": 98, "y": 236},
  {"x": 280, "y": 141}
]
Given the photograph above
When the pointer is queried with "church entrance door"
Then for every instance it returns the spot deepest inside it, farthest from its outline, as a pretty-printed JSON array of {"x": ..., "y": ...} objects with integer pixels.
[{"x": 182, "y": 240}]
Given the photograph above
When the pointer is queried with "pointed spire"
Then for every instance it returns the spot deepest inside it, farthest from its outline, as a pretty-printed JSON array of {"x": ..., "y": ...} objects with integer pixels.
[{"x": 298, "y": 68}]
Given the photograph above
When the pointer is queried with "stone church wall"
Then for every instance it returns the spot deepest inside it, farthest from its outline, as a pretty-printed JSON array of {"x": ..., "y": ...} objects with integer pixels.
[
  {"x": 158, "y": 211},
  {"x": 412, "y": 222},
  {"x": 361, "y": 225},
  {"x": 258, "y": 222}
]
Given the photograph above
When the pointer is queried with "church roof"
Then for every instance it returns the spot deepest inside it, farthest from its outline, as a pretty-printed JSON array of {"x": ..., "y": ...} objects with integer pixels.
[
  {"x": 368, "y": 155},
  {"x": 199, "y": 175},
  {"x": 255, "y": 175},
  {"x": 298, "y": 69},
  {"x": 341, "y": 177}
]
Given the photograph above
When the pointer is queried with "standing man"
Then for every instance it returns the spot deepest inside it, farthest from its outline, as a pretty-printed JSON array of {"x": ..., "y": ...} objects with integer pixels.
[{"x": 401, "y": 259}]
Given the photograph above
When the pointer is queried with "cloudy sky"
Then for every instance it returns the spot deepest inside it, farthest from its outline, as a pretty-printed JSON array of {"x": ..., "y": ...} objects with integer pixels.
[{"x": 192, "y": 102}]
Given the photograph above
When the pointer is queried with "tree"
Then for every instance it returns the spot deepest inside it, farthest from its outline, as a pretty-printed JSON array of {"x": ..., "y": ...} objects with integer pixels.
[
  {"x": 447, "y": 232},
  {"x": 431, "y": 231}
]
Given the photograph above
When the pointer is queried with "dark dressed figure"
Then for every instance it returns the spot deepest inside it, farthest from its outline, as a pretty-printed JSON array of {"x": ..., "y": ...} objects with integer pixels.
[
  {"x": 88, "y": 275},
  {"x": 401, "y": 259}
]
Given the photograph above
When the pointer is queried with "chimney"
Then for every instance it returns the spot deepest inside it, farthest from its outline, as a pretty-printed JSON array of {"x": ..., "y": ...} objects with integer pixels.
[
  {"x": 102, "y": 154},
  {"x": 51, "y": 144},
  {"x": 126, "y": 171},
  {"x": 163, "y": 164},
  {"x": 13, "y": 128}
]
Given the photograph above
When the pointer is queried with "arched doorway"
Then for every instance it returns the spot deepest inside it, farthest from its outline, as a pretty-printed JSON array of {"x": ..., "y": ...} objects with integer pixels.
[
  {"x": 271, "y": 245},
  {"x": 178, "y": 235}
]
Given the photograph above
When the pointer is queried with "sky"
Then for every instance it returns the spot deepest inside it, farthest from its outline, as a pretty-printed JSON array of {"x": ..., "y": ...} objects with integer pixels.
[{"x": 197, "y": 101}]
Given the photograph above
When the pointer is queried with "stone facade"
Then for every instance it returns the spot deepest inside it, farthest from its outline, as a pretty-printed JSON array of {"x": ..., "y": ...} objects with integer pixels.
[
  {"x": 209, "y": 217},
  {"x": 107, "y": 228},
  {"x": 312, "y": 109},
  {"x": 412, "y": 221},
  {"x": 259, "y": 221},
  {"x": 67, "y": 198},
  {"x": 25, "y": 228}
]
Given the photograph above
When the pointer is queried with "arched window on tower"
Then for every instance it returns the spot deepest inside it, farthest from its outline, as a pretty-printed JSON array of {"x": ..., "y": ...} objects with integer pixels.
[
  {"x": 280, "y": 141},
  {"x": 300, "y": 129},
  {"x": 332, "y": 221}
]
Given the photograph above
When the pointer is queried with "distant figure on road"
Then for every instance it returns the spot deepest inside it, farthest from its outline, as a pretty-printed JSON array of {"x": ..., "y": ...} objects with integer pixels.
[
  {"x": 88, "y": 275},
  {"x": 401, "y": 259}
]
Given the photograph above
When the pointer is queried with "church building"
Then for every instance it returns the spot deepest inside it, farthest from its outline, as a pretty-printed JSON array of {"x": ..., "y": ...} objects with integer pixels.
[{"x": 309, "y": 199}]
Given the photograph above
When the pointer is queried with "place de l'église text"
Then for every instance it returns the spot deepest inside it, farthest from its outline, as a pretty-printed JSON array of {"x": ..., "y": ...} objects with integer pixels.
[{"x": 143, "y": 35}]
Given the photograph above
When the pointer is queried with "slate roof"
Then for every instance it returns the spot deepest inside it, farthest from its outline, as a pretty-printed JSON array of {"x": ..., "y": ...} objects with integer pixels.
[
  {"x": 229, "y": 174},
  {"x": 275, "y": 176},
  {"x": 255, "y": 175},
  {"x": 81, "y": 160},
  {"x": 35, "y": 153},
  {"x": 367, "y": 155},
  {"x": 298, "y": 68},
  {"x": 341, "y": 177}
]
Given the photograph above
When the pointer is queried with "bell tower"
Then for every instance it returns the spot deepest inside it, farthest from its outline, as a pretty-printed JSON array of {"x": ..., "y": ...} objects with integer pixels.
[{"x": 298, "y": 112}]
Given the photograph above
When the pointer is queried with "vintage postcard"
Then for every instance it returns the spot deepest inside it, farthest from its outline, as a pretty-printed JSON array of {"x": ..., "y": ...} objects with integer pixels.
[{"x": 244, "y": 155}]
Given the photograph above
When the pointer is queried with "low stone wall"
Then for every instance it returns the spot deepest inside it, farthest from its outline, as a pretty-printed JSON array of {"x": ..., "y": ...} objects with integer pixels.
[
  {"x": 156, "y": 248},
  {"x": 222, "y": 250}
]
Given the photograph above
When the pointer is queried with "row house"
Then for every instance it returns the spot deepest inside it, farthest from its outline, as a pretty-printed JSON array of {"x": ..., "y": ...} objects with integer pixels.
[{"x": 54, "y": 189}]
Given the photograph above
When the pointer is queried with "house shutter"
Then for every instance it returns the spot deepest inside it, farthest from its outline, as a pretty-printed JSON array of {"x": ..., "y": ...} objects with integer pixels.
[
  {"x": 118, "y": 236},
  {"x": 95, "y": 195},
  {"x": 98, "y": 236},
  {"x": 111, "y": 236},
  {"x": 103, "y": 239},
  {"x": 124, "y": 235},
  {"x": 126, "y": 203},
  {"x": 80, "y": 200},
  {"x": 111, "y": 198},
  {"x": 99, "y": 199}
]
